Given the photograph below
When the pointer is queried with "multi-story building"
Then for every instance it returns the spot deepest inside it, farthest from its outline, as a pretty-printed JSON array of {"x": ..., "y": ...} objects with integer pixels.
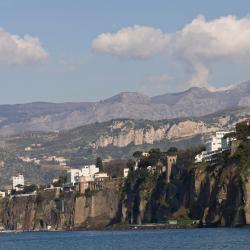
[
  {"x": 18, "y": 182},
  {"x": 217, "y": 142},
  {"x": 87, "y": 171},
  {"x": 72, "y": 176}
]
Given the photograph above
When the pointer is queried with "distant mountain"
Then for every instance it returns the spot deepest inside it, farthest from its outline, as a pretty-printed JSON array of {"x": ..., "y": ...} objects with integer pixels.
[{"x": 194, "y": 102}]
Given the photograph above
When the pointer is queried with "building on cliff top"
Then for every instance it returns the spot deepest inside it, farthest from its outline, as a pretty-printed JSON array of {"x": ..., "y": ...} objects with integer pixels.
[
  {"x": 18, "y": 182},
  {"x": 125, "y": 172},
  {"x": 90, "y": 173},
  {"x": 2, "y": 194},
  {"x": 215, "y": 144}
]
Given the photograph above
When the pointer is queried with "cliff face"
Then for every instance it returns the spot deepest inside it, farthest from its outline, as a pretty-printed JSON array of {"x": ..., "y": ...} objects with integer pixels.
[
  {"x": 214, "y": 195},
  {"x": 59, "y": 211},
  {"x": 123, "y": 133}
]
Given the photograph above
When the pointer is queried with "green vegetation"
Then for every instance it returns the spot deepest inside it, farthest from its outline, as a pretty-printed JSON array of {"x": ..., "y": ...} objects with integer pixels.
[
  {"x": 242, "y": 130},
  {"x": 26, "y": 190},
  {"x": 242, "y": 157},
  {"x": 99, "y": 163}
]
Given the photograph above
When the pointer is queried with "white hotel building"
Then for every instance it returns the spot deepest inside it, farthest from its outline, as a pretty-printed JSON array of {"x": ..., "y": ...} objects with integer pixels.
[
  {"x": 73, "y": 175},
  {"x": 18, "y": 182},
  {"x": 215, "y": 144}
]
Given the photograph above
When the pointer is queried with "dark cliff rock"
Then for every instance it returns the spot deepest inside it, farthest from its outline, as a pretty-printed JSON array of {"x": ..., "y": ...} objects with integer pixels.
[
  {"x": 59, "y": 211},
  {"x": 213, "y": 195}
]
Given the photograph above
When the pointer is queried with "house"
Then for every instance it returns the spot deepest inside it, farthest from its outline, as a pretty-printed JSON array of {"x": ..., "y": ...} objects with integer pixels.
[
  {"x": 87, "y": 171},
  {"x": 200, "y": 157},
  {"x": 18, "y": 182},
  {"x": 2, "y": 194},
  {"x": 125, "y": 172},
  {"x": 72, "y": 176},
  {"x": 100, "y": 176},
  {"x": 27, "y": 149}
]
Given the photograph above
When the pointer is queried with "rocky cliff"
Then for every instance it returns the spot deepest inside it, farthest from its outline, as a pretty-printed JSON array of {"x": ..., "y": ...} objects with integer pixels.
[
  {"x": 215, "y": 195},
  {"x": 123, "y": 133},
  {"x": 59, "y": 211}
]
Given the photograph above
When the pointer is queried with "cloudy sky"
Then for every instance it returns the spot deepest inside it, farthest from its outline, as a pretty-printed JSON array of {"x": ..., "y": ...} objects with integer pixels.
[{"x": 86, "y": 50}]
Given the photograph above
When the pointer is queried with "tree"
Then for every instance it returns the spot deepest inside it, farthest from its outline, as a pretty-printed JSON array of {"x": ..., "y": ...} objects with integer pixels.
[
  {"x": 242, "y": 130},
  {"x": 172, "y": 151},
  {"x": 155, "y": 153},
  {"x": 130, "y": 164},
  {"x": 137, "y": 154},
  {"x": 99, "y": 164}
]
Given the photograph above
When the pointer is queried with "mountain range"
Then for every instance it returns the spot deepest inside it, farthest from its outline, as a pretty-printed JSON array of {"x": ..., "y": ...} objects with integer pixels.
[{"x": 194, "y": 102}]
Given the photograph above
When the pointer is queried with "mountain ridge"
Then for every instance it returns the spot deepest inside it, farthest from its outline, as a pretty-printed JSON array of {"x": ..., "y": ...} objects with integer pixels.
[{"x": 47, "y": 116}]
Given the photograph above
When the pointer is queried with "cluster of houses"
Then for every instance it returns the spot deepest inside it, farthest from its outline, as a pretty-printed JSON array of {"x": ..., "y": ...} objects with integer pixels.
[
  {"x": 215, "y": 144},
  {"x": 88, "y": 177},
  {"x": 17, "y": 185},
  {"x": 60, "y": 160},
  {"x": 32, "y": 146}
]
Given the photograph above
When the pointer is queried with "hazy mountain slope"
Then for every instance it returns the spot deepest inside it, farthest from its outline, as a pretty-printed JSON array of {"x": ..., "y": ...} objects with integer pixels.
[
  {"x": 49, "y": 116},
  {"x": 110, "y": 140}
]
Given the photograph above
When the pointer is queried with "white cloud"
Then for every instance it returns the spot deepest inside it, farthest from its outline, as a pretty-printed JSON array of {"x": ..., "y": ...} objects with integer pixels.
[
  {"x": 20, "y": 50},
  {"x": 196, "y": 47},
  {"x": 138, "y": 42},
  {"x": 202, "y": 42}
]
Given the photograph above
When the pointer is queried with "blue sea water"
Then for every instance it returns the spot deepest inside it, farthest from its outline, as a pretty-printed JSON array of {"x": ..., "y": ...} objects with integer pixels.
[{"x": 235, "y": 238}]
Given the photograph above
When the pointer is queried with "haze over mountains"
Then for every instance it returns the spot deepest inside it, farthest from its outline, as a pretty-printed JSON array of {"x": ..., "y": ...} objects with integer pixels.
[{"x": 43, "y": 116}]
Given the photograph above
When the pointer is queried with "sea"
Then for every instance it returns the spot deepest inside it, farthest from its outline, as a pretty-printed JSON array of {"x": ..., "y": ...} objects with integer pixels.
[{"x": 217, "y": 238}]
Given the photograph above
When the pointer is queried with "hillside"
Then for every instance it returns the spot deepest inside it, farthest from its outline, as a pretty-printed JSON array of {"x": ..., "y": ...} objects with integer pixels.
[
  {"x": 193, "y": 102},
  {"x": 213, "y": 194},
  {"x": 115, "y": 139}
]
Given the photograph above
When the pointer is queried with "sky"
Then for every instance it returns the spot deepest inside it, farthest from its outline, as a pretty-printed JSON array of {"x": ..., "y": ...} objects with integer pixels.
[{"x": 88, "y": 50}]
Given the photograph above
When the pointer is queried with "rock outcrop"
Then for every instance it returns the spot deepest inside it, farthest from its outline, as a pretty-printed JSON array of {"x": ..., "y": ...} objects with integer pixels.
[
  {"x": 59, "y": 211},
  {"x": 123, "y": 133},
  {"x": 215, "y": 196}
]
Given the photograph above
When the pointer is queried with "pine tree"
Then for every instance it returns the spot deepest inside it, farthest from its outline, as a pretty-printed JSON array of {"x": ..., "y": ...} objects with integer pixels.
[{"x": 99, "y": 163}]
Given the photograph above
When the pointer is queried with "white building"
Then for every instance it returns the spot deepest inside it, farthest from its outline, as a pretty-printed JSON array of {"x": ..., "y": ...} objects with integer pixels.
[
  {"x": 72, "y": 176},
  {"x": 2, "y": 194},
  {"x": 125, "y": 172},
  {"x": 18, "y": 182},
  {"x": 27, "y": 149},
  {"x": 215, "y": 144},
  {"x": 216, "y": 141},
  {"x": 87, "y": 171},
  {"x": 100, "y": 176}
]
